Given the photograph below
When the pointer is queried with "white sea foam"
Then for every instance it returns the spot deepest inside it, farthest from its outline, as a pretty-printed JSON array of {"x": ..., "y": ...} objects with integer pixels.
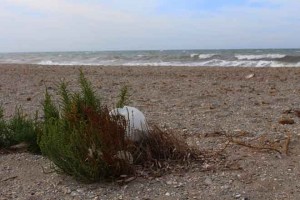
[
  {"x": 193, "y": 55},
  {"x": 73, "y": 63},
  {"x": 217, "y": 63},
  {"x": 206, "y": 56},
  {"x": 258, "y": 57},
  {"x": 199, "y": 63},
  {"x": 50, "y": 62}
]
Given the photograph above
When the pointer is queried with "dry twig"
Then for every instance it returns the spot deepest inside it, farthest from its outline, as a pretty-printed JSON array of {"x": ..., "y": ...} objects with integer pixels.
[{"x": 9, "y": 178}]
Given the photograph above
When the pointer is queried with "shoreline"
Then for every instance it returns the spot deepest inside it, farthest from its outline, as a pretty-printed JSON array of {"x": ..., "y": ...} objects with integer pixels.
[{"x": 140, "y": 66}]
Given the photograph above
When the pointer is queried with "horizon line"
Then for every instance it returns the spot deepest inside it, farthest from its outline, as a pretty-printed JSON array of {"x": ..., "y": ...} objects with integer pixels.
[{"x": 123, "y": 50}]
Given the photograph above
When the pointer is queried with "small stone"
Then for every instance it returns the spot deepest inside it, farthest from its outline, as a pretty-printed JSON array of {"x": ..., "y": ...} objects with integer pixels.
[
  {"x": 225, "y": 187},
  {"x": 79, "y": 190},
  {"x": 237, "y": 196},
  {"x": 74, "y": 193},
  {"x": 286, "y": 120},
  {"x": 297, "y": 112},
  {"x": 208, "y": 181},
  {"x": 180, "y": 184},
  {"x": 66, "y": 190},
  {"x": 287, "y": 111},
  {"x": 249, "y": 76},
  {"x": 168, "y": 194},
  {"x": 169, "y": 182},
  {"x": 91, "y": 195}
]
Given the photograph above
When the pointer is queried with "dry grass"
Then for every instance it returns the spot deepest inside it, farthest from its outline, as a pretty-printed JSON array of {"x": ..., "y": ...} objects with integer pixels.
[{"x": 260, "y": 143}]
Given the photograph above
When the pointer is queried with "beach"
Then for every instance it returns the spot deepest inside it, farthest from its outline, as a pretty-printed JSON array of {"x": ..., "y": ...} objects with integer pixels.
[{"x": 194, "y": 102}]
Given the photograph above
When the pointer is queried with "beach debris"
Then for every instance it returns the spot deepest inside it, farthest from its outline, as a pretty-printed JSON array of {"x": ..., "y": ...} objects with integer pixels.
[
  {"x": 136, "y": 122},
  {"x": 288, "y": 111},
  {"x": 258, "y": 143},
  {"x": 19, "y": 147},
  {"x": 9, "y": 178},
  {"x": 124, "y": 179},
  {"x": 297, "y": 112},
  {"x": 249, "y": 76},
  {"x": 286, "y": 120},
  {"x": 125, "y": 155},
  {"x": 287, "y": 143},
  {"x": 168, "y": 194}
]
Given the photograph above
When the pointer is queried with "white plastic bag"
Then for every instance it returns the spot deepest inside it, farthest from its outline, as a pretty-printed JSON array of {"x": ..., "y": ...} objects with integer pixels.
[{"x": 137, "y": 128}]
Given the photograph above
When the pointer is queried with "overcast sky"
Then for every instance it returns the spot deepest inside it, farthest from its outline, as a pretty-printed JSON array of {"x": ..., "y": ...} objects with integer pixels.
[{"x": 74, "y": 25}]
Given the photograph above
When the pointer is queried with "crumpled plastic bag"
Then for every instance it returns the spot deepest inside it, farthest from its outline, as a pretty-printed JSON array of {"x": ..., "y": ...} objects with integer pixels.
[{"x": 137, "y": 127}]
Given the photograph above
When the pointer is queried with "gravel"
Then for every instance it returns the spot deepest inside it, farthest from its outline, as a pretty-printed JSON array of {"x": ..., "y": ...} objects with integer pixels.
[{"x": 196, "y": 103}]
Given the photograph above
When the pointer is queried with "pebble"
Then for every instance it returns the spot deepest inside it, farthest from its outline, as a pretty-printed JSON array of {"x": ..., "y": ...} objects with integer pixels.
[
  {"x": 169, "y": 182},
  {"x": 249, "y": 76},
  {"x": 286, "y": 120},
  {"x": 74, "y": 193},
  {"x": 208, "y": 181},
  {"x": 66, "y": 190},
  {"x": 225, "y": 187},
  {"x": 79, "y": 190}
]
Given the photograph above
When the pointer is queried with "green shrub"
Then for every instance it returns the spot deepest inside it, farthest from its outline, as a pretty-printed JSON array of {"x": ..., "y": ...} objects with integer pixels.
[
  {"x": 24, "y": 129},
  {"x": 80, "y": 137},
  {"x": 19, "y": 129},
  {"x": 5, "y": 137}
]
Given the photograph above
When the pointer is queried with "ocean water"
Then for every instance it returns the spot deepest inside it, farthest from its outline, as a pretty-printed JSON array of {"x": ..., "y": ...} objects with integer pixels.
[{"x": 211, "y": 58}]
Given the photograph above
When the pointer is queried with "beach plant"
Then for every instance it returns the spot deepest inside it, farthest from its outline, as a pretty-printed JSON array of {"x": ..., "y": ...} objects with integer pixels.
[
  {"x": 19, "y": 129},
  {"x": 5, "y": 137},
  {"x": 123, "y": 97},
  {"x": 82, "y": 139},
  {"x": 25, "y": 129}
]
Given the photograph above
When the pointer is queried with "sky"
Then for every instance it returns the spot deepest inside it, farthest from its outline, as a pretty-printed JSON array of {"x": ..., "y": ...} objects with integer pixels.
[{"x": 92, "y": 25}]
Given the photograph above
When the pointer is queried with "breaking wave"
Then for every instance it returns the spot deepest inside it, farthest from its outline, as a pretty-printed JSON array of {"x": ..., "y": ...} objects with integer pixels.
[
  {"x": 217, "y": 63},
  {"x": 259, "y": 57},
  {"x": 206, "y": 56},
  {"x": 202, "y": 56}
]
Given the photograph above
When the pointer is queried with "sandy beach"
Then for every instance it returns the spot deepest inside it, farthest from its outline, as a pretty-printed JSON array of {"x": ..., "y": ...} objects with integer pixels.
[{"x": 191, "y": 101}]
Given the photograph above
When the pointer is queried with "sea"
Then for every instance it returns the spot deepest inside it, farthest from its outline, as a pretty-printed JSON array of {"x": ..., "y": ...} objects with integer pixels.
[{"x": 200, "y": 58}]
